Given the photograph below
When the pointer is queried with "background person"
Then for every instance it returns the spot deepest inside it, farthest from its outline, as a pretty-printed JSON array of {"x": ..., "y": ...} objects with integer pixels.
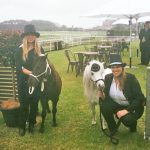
[
  {"x": 147, "y": 44},
  {"x": 24, "y": 60},
  {"x": 123, "y": 97},
  {"x": 143, "y": 36}
]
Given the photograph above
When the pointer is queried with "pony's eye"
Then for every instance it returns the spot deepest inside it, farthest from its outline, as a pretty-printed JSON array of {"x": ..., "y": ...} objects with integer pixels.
[{"x": 92, "y": 73}]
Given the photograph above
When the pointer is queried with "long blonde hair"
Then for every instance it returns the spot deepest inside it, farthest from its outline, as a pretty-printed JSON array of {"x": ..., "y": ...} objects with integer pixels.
[{"x": 37, "y": 48}]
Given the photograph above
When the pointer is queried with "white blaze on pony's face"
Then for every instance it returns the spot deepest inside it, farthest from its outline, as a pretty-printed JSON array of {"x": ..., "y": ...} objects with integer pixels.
[{"x": 97, "y": 71}]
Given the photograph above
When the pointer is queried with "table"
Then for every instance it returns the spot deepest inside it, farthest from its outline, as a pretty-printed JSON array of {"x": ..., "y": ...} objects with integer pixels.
[
  {"x": 106, "y": 47},
  {"x": 85, "y": 57},
  {"x": 105, "y": 50}
]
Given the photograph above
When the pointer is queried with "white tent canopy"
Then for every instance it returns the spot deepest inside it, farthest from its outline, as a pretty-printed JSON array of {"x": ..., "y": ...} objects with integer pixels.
[
  {"x": 129, "y": 18},
  {"x": 135, "y": 16},
  {"x": 144, "y": 19},
  {"x": 122, "y": 21}
]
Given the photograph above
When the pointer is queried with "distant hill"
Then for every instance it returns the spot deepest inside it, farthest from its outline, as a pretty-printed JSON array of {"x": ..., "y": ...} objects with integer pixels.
[{"x": 19, "y": 25}]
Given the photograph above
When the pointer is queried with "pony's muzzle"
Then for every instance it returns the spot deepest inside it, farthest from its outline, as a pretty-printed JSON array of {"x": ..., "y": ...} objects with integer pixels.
[{"x": 101, "y": 85}]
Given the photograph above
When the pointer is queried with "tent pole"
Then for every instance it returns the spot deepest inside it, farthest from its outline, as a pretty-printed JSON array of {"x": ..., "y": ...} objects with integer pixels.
[{"x": 130, "y": 23}]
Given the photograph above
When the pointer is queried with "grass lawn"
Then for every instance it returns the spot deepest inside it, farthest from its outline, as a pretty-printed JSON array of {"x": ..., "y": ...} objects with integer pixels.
[{"x": 74, "y": 130}]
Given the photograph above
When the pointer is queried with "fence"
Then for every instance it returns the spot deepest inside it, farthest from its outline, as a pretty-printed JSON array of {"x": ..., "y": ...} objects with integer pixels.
[
  {"x": 70, "y": 41},
  {"x": 8, "y": 83}
]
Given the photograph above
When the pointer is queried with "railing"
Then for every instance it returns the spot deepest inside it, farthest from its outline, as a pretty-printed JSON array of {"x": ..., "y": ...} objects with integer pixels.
[
  {"x": 70, "y": 41},
  {"x": 8, "y": 83}
]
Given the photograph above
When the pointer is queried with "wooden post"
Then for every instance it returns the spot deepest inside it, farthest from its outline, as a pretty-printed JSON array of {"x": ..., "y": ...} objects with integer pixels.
[{"x": 147, "y": 115}]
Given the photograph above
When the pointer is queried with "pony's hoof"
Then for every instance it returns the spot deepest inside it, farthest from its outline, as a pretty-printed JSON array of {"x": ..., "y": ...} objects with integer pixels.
[
  {"x": 93, "y": 122},
  {"x": 41, "y": 130}
]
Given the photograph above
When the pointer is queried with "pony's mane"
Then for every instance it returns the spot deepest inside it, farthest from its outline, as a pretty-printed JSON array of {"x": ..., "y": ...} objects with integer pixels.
[{"x": 55, "y": 75}]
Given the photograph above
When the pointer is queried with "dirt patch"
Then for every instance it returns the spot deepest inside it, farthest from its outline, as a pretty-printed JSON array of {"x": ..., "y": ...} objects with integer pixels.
[{"x": 9, "y": 104}]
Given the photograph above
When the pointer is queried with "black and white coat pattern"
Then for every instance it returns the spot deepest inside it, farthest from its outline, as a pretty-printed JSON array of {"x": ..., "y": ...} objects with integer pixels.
[{"x": 93, "y": 81}]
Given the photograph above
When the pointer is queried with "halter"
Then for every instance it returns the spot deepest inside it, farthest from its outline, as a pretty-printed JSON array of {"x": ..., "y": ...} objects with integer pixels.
[
  {"x": 36, "y": 76},
  {"x": 97, "y": 80}
]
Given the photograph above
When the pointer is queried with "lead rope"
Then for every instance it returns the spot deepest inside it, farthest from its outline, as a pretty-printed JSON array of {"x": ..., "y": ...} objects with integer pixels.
[{"x": 112, "y": 138}]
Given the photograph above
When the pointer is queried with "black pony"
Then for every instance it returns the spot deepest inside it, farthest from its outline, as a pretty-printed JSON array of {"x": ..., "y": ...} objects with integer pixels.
[{"x": 45, "y": 74}]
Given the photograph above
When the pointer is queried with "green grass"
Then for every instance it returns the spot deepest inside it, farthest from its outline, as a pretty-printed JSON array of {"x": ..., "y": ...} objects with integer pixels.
[{"x": 74, "y": 130}]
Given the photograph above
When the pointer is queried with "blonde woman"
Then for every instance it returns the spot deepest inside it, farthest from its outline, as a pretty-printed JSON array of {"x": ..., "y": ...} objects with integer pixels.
[
  {"x": 123, "y": 97},
  {"x": 24, "y": 60}
]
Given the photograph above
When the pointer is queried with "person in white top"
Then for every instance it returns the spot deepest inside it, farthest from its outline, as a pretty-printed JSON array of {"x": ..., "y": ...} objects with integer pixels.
[{"x": 122, "y": 96}]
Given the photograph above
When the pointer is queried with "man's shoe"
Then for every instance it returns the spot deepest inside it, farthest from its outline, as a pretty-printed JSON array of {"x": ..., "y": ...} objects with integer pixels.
[{"x": 22, "y": 131}]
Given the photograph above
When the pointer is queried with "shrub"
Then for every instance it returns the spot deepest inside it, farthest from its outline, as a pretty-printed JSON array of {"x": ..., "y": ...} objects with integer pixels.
[{"x": 9, "y": 40}]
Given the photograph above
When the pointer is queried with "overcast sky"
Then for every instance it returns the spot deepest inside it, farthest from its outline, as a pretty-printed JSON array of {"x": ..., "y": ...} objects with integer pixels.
[{"x": 68, "y": 12}]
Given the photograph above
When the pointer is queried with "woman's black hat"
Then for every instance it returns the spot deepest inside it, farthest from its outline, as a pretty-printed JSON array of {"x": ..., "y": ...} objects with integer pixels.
[
  {"x": 30, "y": 30},
  {"x": 115, "y": 59}
]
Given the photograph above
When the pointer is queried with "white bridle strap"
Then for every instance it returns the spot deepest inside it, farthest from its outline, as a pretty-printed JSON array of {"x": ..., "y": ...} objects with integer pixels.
[
  {"x": 97, "y": 80},
  {"x": 47, "y": 67},
  {"x": 42, "y": 86},
  {"x": 34, "y": 77}
]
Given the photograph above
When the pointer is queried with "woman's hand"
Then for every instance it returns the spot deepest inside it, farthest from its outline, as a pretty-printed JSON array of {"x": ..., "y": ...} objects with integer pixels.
[
  {"x": 122, "y": 113},
  {"x": 26, "y": 71},
  {"x": 101, "y": 94}
]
